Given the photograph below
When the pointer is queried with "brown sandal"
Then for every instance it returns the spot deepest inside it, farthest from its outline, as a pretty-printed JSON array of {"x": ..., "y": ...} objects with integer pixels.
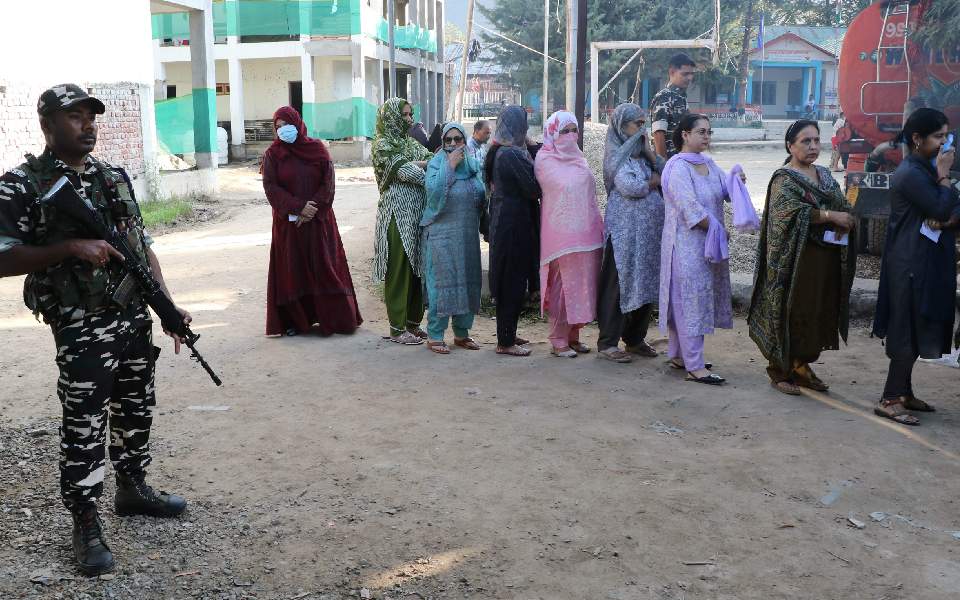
[
  {"x": 805, "y": 377},
  {"x": 893, "y": 409},
  {"x": 786, "y": 387},
  {"x": 438, "y": 347},
  {"x": 514, "y": 350},
  {"x": 519, "y": 341},
  {"x": 615, "y": 354},
  {"x": 468, "y": 343},
  {"x": 914, "y": 403}
]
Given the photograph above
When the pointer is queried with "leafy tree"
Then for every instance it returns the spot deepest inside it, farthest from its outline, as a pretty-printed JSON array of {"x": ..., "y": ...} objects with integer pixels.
[{"x": 940, "y": 25}]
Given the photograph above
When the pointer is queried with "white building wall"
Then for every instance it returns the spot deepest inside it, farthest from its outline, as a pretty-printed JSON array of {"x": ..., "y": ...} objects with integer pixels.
[
  {"x": 266, "y": 85},
  {"x": 39, "y": 49}
]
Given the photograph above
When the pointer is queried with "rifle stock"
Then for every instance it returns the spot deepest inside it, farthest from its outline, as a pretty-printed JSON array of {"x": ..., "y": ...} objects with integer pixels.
[{"x": 65, "y": 199}]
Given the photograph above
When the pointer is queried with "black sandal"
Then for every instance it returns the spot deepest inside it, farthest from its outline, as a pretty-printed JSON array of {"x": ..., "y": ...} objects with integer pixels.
[
  {"x": 711, "y": 379},
  {"x": 682, "y": 367}
]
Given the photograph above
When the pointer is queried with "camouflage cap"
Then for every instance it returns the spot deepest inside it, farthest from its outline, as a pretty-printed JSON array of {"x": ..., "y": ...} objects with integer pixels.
[{"x": 64, "y": 96}]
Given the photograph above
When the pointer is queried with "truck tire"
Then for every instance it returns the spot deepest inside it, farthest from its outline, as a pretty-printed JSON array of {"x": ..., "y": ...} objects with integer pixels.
[{"x": 876, "y": 235}]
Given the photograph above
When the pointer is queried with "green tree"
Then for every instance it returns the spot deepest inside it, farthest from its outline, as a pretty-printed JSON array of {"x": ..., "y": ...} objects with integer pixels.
[
  {"x": 835, "y": 13},
  {"x": 940, "y": 25},
  {"x": 522, "y": 21}
]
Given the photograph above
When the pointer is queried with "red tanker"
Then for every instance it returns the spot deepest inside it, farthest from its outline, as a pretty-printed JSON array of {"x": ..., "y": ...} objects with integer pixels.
[
  {"x": 881, "y": 69},
  {"x": 883, "y": 75}
]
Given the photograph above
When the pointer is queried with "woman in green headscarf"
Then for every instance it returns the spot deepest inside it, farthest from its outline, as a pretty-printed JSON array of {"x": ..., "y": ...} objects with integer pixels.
[
  {"x": 802, "y": 281},
  {"x": 451, "y": 241},
  {"x": 398, "y": 163}
]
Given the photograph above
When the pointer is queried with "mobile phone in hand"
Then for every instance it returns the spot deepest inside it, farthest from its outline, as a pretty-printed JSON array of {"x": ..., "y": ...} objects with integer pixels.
[{"x": 948, "y": 145}]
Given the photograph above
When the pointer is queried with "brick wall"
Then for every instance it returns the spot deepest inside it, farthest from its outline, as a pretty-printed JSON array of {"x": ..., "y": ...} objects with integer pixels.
[{"x": 120, "y": 139}]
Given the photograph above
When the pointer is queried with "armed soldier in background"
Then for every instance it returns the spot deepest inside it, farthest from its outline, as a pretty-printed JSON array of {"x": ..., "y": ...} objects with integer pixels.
[{"x": 100, "y": 321}]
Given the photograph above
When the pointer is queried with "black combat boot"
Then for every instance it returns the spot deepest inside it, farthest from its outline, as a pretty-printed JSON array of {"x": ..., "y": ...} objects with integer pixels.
[
  {"x": 135, "y": 497},
  {"x": 89, "y": 550}
]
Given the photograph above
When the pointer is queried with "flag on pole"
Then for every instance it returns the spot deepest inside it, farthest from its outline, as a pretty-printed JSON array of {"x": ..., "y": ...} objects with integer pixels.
[{"x": 760, "y": 33}]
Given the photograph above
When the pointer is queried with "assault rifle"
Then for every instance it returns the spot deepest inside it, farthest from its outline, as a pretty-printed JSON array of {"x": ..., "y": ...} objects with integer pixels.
[{"x": 67, "y": 201}]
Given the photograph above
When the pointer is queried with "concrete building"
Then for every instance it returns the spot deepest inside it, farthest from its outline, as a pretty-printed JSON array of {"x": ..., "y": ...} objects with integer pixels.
[
  {"x": 795, "y": 63},
  {"x": 327, "y": 58},
  {"x": 113, "y": 59}
]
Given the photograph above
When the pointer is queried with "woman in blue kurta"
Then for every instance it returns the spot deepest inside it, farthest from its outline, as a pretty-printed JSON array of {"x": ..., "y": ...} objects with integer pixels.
[{"x": 451, "y": 241}]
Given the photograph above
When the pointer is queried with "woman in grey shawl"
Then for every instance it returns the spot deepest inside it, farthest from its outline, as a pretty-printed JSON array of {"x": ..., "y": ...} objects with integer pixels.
[
  {"x": 630, "y": 271},
  {"x": 514, "y": 225}
]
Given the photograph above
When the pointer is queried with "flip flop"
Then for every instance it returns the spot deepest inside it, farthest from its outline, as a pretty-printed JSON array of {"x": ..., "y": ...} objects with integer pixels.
[
  {"x": 561, "y": 353},
  {"x": 579, "y": 347}
]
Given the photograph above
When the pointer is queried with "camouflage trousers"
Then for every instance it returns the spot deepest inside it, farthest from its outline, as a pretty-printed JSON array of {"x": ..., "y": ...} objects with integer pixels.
[{"x": 107, "y": 362}]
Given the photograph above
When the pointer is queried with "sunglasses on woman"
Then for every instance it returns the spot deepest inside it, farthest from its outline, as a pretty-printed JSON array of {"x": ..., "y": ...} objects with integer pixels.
[{"x": 453, "y": 140}]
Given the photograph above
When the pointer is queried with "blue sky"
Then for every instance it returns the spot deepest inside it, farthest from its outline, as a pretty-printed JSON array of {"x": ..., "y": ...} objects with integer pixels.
[{"x": 457, "y": 12}]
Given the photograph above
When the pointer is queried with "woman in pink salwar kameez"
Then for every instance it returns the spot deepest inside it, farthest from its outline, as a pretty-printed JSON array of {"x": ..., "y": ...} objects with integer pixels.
[{"x": 571, "y": 235}]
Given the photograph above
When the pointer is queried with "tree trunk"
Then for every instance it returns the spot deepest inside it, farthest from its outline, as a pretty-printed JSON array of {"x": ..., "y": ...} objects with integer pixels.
[{"x": 745, "y": 55}]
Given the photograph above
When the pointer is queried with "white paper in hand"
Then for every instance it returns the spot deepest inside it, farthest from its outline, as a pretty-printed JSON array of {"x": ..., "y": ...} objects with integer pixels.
[
  {"x": 932, "y": 234},
  {"x": 830, "y": 236},
  {"x": 293, "y": 218}
]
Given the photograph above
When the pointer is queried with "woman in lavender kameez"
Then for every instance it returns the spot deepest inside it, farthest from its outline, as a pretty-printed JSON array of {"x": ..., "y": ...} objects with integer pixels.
[{"x": 694, "y": 291}]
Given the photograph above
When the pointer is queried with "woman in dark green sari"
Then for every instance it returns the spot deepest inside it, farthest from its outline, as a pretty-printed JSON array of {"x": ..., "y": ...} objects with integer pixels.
[{"x": 802, "y": 281}]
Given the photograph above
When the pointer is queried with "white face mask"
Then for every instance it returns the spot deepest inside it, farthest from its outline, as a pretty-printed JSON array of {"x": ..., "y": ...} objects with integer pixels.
[{"x": 287, "y": 133}]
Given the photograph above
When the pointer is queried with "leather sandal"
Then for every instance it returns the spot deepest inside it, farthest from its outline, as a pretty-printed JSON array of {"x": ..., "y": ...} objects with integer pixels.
[
  {"x": 805, "y": 377},
  {"x": 642, "y": 349},
  {"x": 893, "y": 409},
  {"x": 786, "y": 387},
  {"x": 468, "y": 343},
  {"x": 420, "y": 333},
  {"x": 579, "y": 347},
  {"x": 615, "y": 354},
  {"x": 519, "y": 341},
  {"x": 406, "y": 338},
  {"x": 438, "y": 347},
  {"x": 916, "y": 404},
  {"x": 567, "y": 352}
]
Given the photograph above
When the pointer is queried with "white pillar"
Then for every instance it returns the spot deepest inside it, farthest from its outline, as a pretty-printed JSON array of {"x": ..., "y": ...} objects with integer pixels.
[
  {"x": 238, "y": 135},
  {"x": 358, "y": 87},
  {"x": 383, "y": 89},
  {"x": 309, "y": 91},
  {"x": 204, "y": 86}
]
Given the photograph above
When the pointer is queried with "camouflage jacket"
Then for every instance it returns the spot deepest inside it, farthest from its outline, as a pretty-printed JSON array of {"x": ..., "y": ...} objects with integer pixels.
[
  {"x": 67, "y": 291},
  {"x": 666, "y": 108}
]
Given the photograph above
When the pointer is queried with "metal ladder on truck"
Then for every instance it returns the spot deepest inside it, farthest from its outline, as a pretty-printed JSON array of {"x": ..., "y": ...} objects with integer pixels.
[{"x": 892, "y": 8}]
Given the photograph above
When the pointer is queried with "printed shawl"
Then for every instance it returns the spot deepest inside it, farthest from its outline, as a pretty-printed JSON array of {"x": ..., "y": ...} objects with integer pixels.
[{"x": 784, "y": 231}]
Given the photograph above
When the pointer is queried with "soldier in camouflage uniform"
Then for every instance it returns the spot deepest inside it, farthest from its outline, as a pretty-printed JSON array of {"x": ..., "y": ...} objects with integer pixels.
[
  {"x": 670, "y": 103},
  {"x": 101, "y": 325}
]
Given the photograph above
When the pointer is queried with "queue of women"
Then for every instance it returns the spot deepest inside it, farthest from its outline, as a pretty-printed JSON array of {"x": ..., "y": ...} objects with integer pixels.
[{"x": 661, "y": 245}]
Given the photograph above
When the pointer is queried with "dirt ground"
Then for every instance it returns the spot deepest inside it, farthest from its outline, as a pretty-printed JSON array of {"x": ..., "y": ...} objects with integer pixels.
[{"x": 350, "y": 467}]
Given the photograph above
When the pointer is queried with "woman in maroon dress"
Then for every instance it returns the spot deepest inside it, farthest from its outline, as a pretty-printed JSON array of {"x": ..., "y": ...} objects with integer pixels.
[{"x": 309, "y": 281}]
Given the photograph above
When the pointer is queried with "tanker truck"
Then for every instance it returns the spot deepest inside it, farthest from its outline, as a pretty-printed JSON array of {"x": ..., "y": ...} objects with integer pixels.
[{"x": 884, "y": 76}]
